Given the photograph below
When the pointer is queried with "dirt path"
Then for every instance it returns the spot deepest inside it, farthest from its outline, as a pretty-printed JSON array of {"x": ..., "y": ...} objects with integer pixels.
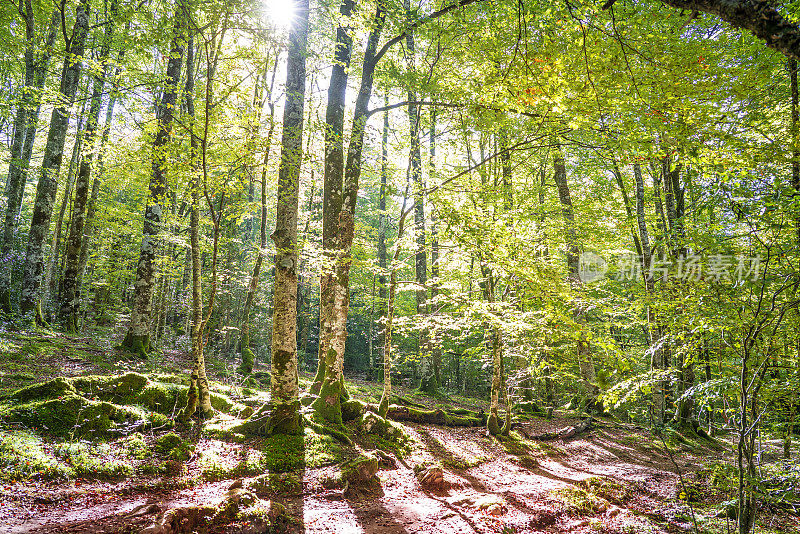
[{"x": 489, "y": 487}]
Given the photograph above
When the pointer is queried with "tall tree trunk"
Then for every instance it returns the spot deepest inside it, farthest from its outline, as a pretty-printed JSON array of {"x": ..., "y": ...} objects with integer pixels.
[
  {"x": 493, "y": 421},
  {"x": 48, "y": 178},
  {"x": 22, "y": 143},
  {"x": 328, "y": 405},
  {"x": 654, "y": 330},
  {"x": 196, "y": 310},
  {"x": 585, "y": 363},
  {"x": 91, "y": 208},
  {"x": 332, "y": 188},
  {"x": 382, "y": 289},
  {"x": 199, "y": 396},
  {"x": 795, "y": 133},
  {"x": 285, "y": 417},
  {"x": 334, "y": 336},
  {"x": 23, "y": 106},
  {"x": 428, "y": 382},
  {"x": 436, "y": 349},
  {"x": 53, "y": 271},
  {"x": 137, "y": 338},
  {"x": 68, "y": 295},
  {"x": 246, "y": 353},
  {"x": 544, "y": 253},
  {"x": 383, "y": 407}
]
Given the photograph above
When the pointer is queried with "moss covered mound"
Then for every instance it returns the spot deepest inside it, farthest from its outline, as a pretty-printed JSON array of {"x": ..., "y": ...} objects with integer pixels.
[
  {"x": 74, "y": 416},
  {"x": 101, "y": 407}
]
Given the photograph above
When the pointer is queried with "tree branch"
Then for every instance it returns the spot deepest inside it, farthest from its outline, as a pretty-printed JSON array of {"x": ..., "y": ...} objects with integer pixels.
[
  {"x": 433, "y": 16},
  {"x": 759, "y": 17}
]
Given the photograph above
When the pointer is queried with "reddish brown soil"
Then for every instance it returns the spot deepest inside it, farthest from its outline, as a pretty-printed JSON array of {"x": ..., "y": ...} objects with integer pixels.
[{"x": 476, "y": 467}]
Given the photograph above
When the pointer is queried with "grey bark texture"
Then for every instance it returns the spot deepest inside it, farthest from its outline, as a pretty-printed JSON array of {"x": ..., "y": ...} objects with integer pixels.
[
  {"x": 69, "y": 298},
  {"x": 51, "y": 163},
  {"x": 332, "y": 188},
  {"x": 22, "y": 144},
  {"x": 137, "y": 338}
]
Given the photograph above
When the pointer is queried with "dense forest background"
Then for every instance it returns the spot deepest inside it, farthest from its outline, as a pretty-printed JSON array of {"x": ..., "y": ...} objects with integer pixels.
[{"x": 545, "y": 204}]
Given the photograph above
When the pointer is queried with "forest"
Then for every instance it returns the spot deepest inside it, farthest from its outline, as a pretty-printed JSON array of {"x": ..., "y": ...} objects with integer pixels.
[{"x": 400, "y": 266}]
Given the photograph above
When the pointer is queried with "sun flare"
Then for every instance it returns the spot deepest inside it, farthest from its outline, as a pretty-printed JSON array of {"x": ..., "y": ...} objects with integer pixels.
[{"x": 280, "y": 13}]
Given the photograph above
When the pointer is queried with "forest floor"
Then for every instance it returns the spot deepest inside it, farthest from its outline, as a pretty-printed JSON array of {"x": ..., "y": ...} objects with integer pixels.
[{"x": 613, "y": 478}]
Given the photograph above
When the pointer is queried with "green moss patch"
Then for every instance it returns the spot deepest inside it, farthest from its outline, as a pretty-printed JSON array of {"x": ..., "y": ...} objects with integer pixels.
[
  {"x": 92, "y": 461},
  {"x": 22, "y": 456},
  {"x": 101, "y": 407},
  {"x": 215, "y": 467},
  {"x": 72, "y": 416},
  {"x": 577, "y": 501}
]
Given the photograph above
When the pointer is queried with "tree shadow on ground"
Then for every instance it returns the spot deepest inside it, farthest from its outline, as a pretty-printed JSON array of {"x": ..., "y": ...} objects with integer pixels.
[
  {"x": 286, "y": 462},
  {"x": 374, "y": 518}
]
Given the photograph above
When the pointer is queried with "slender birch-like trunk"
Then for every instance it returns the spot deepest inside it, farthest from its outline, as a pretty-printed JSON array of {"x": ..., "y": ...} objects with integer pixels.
[
  {"x": 137, "y": 338},
  {"x": 48, "y": 178},
  {"x": 247, "y": 356},
  {"x": 68, "y": 294},
  {"x": 22, "y": 144},
  {"x": 91, "y": 209},
  {"x": 382, "y": 289}
]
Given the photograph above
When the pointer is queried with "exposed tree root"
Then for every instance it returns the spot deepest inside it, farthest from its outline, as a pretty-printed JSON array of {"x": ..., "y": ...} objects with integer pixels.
[{"x": 564, "y": 433}]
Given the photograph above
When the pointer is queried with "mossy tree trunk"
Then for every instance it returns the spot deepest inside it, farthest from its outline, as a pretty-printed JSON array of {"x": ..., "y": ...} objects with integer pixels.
[
  {"x": 68, "y": 295},
  {"x": 328, "y": 405},
  {"x": 30, "y": 298},
  {"x": 285, "y": 417},
  {"x": 332, "y": 191},
  {"x": 137, "y": 338},
  {"x": 25, "y": 124}
]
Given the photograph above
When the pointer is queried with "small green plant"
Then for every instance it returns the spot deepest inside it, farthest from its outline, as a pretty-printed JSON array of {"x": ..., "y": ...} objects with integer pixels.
[
  {"x": 172, "y": 446},
  {"x": 722, "y": 476},
  {"x": 604, "y": 488},
  {"x": 136, "y": 448},
  {"x": 578, "y": 501}
]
